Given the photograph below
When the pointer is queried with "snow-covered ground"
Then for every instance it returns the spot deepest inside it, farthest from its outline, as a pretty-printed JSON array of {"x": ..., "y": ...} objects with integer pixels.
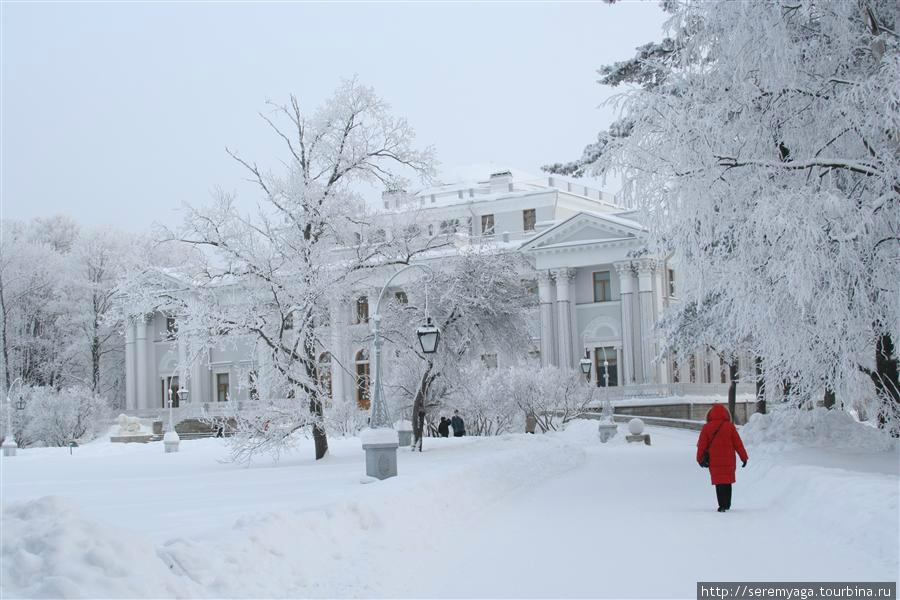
[{"x": 515, "y": 516}]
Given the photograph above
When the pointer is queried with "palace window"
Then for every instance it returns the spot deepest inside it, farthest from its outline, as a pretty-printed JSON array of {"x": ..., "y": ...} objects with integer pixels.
[
  {"x": 528, "y": 219},
  {"x": 692, "y": 368},
  {"x": 362, "y": 380},
  {"x": 671, "y": 275},
  {"x": 676, "y": 375},
  {"x": 487, "y": 224},
  {"x": 607, "y": 354},
  {"x": 362, "y": 310},
  {"x": 222, "y": 387},
  {"x": 170, "y": 386},
  {"x": 400, "y": 297},
  {"x": 171, "y": 328},
  {"x": 449, "y": 226},
  {"x": 602, "y": 287},
  {"x": 253, "y": 392}
]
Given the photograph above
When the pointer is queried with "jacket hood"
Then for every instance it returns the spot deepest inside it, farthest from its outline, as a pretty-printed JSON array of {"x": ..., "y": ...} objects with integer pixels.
[{"x": 718, "y": 413}]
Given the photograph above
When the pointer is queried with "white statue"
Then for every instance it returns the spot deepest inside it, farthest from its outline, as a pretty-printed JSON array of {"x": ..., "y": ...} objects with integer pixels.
[{"x": 128, "y": 425}]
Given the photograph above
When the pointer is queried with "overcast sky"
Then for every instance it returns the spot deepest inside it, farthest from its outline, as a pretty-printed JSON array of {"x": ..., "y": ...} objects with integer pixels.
[{"x": 117, "y": 113}]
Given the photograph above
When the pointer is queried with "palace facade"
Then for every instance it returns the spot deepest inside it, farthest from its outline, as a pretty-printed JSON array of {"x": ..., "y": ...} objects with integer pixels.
[{"x": 599, "y": 295}]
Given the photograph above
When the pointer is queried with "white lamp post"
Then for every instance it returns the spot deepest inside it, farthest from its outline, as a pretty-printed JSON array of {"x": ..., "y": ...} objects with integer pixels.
[
  {"x": 380, "y": 441},
  {"x": 9, "y": 442},
  {"x": 171, "y": 439}
]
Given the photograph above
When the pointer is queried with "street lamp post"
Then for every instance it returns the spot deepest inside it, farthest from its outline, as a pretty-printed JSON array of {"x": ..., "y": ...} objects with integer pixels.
[
  {"x": 9, "y": 442},
  {"x": 171, "y": 439},
  {"x": 380, "y": 441}
]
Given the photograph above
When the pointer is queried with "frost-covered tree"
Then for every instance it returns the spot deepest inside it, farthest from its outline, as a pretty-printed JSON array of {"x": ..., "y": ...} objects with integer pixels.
[
  {"x": 271, "y": 275},
  {"x": 766, "y": 158},
  {"x": 480, "y": 304}
]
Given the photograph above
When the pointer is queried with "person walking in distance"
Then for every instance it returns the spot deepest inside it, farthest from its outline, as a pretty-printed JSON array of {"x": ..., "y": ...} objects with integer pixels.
[
  {"x": 530, "y": 422},
  {"x": 718, "y": 442},
  {"x": 444, "y": 427},
  {"x": 459, "y": 428}
]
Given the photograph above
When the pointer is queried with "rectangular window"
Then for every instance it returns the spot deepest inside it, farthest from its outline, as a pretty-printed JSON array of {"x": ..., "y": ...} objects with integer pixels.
[
  {"x": 676, "y": 375},
  {"x": 252, "y": 393},
  {"x": 449, "y": 226},
  {"x": 671, "y": 282},
  {"x": 362, "y": 310},
  {"x": 170, "y": 391},
  {"x": 487, "y": 224},
  {"x": 605, "y": 364},
  {"x": 692, "y": 369},
  {"x": 489, "y": 360},
  {"x": 401, "y": 297},
  {"x": 528, "y": 219},
  {"x": 602, "y": 287},
  {"x": 222, "y": 387}
]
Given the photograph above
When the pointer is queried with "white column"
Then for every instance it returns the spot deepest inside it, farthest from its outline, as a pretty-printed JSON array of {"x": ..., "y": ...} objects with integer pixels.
[
  {"x": 339, "y": 352},
  {"x": 130, "y": 374},
  {"x": 645, "y": 270},
  {"x": 662, "y": 367},
  {"x": 564, "y": 316},
  {"x": 196, "y": 358},
  {"x": 626, "y": 290},
  {"x": 182, "y": 364},
  {"x": 545, "y": 296},
  {"x": 142, "y": 366}
]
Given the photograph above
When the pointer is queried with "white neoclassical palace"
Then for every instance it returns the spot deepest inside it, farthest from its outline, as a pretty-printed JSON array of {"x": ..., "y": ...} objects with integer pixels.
[{"x": 599, "y": 292}]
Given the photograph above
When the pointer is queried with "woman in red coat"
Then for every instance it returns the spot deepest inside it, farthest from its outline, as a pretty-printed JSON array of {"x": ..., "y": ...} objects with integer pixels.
[{"x": 720, "y": 438}]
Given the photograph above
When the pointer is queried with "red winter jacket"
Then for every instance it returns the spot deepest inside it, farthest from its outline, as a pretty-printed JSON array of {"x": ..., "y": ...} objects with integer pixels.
[{"x": 724, "y": 444}]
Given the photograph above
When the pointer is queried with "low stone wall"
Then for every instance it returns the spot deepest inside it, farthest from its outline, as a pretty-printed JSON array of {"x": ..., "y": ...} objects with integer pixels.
[{"x": 694, "y": 411}]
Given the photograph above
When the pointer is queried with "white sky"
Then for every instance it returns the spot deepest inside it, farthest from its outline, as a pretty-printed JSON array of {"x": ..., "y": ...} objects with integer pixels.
[{"x": 117, "y": 113}]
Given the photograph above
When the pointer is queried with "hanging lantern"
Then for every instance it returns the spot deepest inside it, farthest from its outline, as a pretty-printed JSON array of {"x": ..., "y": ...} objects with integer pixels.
[
  {"x": 428, "y": 337},
  {"x": 20, "y": 403},
  {"x": 585, "y": 364}
]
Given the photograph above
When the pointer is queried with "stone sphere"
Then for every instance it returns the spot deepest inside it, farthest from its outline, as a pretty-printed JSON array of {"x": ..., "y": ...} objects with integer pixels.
[{"x": 636, "y": 426}]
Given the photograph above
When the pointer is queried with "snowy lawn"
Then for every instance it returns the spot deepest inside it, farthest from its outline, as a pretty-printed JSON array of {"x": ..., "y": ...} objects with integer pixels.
[{"x": 516, "y": 516}]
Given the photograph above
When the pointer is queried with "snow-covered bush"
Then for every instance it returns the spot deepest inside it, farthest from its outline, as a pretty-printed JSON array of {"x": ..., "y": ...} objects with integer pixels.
[
  {"x": 495, "y": 401},
  {"x": 56, "y": 417},
  {"x": 819, "y": 427}
]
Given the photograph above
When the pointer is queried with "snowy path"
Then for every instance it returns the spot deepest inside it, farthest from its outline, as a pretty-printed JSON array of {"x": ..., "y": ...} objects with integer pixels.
[
  {"x": 515, "y": 516},
  {"x": 634, "y": 521}
]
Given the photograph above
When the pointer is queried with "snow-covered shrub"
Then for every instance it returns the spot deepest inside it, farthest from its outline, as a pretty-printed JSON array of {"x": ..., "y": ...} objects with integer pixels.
[
  {"x": 819, "y": 427},
  {"x": 495, "y": 401},
  {"x": 57, "y": 417}
]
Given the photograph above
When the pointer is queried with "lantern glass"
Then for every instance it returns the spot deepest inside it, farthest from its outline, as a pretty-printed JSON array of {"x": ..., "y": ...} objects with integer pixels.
[
  {"x": 585, "y": 366},
  {"x": 20, "y": 403},
  {"x": 428, "y": 337},
  {"x": 182, "y": 395}
]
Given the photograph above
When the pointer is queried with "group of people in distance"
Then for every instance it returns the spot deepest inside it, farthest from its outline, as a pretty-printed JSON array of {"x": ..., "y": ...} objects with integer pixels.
[{"x": 456, "y": 422}]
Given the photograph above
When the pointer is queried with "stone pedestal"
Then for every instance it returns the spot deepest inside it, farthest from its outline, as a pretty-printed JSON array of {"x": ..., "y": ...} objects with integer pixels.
[
  {"x": 406, "y": 437},
  {"x": 171, "y": 440},
  {"x": 9, "y": 446},
  {"x": 381, "y": 460},
  {"x": 607, "y": 430},
  {"x": 641, "y": 437}
]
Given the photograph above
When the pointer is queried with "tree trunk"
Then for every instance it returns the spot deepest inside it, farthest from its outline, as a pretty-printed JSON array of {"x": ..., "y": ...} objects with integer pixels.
[
  {"x": 3, "y": 340},
  {"x": 886, "y": 378},
  {"x": 760, "y": 388},
  {"x": 320, "y": 437},
  {"x": 419, "y": 405},
  {"x": 95, "y": 364},
  {"x": 732, "y": 391}
]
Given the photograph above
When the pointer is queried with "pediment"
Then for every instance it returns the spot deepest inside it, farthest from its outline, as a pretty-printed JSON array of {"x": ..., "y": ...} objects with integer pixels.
[{"x": 586, "y": 228}]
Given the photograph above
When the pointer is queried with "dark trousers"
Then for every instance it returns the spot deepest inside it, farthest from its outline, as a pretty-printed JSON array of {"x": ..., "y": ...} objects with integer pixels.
[
  {"x": 723, "y": 495},
  {"x": 459, "y": 433}
]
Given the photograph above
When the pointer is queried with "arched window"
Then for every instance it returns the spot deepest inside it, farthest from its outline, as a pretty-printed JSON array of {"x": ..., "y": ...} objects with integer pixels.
[
  {"x": 324, "y": 373},
  {"x": 362, "y": 310},
  {"x": 362, "y": 379}
]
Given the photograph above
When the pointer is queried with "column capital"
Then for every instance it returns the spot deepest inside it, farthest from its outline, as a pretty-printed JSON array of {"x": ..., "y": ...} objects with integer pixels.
[
  {"x": 624, "y": 269},
  {"x": 564, "y": 275},
  {"x": 646, "y": 266},
  {"x": 543, "y": 276}
]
